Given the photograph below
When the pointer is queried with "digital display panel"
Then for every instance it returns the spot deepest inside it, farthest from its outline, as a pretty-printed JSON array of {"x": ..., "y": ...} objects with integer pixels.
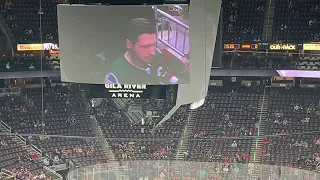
[
  {"x": 311, "y": 47},
  {"x": 240, "y": 46},
  {"x": 124, "y": 44},
  {"x": 286, "y": 47}
]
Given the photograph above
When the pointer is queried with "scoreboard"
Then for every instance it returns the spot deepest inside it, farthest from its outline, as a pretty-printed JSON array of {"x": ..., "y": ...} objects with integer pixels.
[
  {"x": 271, "y": 46},
  {"x": 241, "y": 46}
]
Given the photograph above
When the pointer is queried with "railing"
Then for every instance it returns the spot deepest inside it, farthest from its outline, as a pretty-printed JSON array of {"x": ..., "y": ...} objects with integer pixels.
[
  {"x": 20, "y": 138},
  {"x": 33, "y": 147},
  {"x": 17, "y": 136},
  {"x": 9, "y": 91},
  {"x": 5, "y": 126},
  {"x": 175, "y": 36},
  {"x": 106, "y": 143},
  {"x": 6, "y": 174},
  {"x": 36, "y": 149},
  {"x": 56, "y": 175},
  {"x": 120, "y": 104},
  {"x": 192, "y": 170}
]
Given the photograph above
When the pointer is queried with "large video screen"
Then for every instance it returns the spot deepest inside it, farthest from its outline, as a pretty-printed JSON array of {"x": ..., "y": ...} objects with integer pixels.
[{"x": 124, "y": 44}]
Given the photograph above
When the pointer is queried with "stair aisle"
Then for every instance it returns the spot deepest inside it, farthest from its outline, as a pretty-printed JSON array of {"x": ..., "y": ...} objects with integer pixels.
[
  {"x": 21, "y": 141},
  {"x": 113, "y": 163},
  {"x": 184, "y": 142},
  {"x": 268, "y": 21},
  {"x": 8, "y": 32},
  {"x": 255, "y": 157}
]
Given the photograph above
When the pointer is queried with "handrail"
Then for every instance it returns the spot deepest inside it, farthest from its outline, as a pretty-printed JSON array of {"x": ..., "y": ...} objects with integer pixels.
[
  {"x": 106, "y": 146},
  {"x": 33, "y": 147},
  {"x": 260, "y": 121},
  {"x": 21, "y": 138},
  {"x": 171, "y": 47},
  {"x": 59, "y": 177},
  {"x": 178, "y": 44},
  {"x": 6, "y": 172},
  {"x": 7, "y": 91},
  {"x": 37, "y": 149},
  {"x": 7, "y": 127},
  {"x": 172, "y": 18}
]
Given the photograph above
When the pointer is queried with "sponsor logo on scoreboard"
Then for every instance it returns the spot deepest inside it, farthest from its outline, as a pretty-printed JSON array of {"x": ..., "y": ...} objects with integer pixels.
[
  {"x": 126, "y": 90},
  {"x": 37, "y": 47},
  {"x": 311, "y": 47},
  {"x": 291, "y": 47}
]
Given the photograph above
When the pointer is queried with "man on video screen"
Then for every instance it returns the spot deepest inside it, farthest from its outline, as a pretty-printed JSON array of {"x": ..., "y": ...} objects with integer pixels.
[{"x": 142, "y": 63}]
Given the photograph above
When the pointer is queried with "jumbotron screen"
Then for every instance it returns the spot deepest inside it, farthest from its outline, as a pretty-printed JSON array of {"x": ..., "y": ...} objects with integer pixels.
[{"x": 124, "y": 44}]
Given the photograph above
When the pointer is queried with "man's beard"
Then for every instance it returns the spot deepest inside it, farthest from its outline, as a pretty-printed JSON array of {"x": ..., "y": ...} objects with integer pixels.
[
  {"x": 137, "y": 61},
  {"x": 140, "y": 61}
]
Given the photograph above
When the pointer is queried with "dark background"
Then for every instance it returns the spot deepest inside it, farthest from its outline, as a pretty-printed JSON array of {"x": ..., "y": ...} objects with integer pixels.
[{"x": 152, "y": 92}]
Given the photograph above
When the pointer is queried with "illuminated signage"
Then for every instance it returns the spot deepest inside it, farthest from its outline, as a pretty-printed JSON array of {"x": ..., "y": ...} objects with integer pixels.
[
  {"x": 240, "y": 46},
  {"x": 135, "y": 91},
  {"x": 291, "y": 47},
  {"x": 29, "y": 47},
  {"x": 37, "y": 47},
  {"x": 50, "y": 46},
  {"x": 245, "y": 46},
  {"x": 231, "y": 46},
  {"x": 254, "y": 46},
  {"x": 126, "y": 90},
  {"x": 311, "y": 47}
]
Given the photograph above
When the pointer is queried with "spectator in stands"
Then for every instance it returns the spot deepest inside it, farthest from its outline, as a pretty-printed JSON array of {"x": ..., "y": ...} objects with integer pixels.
[
  {"x": 31, "y": 67},
  {"x": 251, "y": 132},
  {"x": 316, "y": 141},
  {"x": 3, "y": 143},
  {"x": 8, "y": 4},
  {"x": 265, "y": 141},
  {"x": 263, "y": 151},
  {"x": 305, "y": 120},
  {"x": 8, "y": 66},
  {"x": 283, "y": 27},
  {"x": 283, "y": 132},
  {"x": 234, "y": 144},
  {"x": 232, "y": 93},
  {"x": 46, "y": 161},
  {"x": 312, "y": 22},
  {"x": 35, "y": 156},
  {"x": 245, "y": 157}
]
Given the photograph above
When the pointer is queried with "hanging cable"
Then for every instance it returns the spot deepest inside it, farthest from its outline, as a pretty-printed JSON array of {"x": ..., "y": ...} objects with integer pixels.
[{"x": 40, "y": 12}]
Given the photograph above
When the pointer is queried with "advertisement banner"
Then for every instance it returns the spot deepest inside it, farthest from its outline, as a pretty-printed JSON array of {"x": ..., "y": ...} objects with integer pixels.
[
  {"x": 29, "y": 47},
  {"x": 311, "y": 47},
  {"x": 281, "y": 47},
  {"x": 135, "y": 91},
  {"x": 37, "y": 47}
]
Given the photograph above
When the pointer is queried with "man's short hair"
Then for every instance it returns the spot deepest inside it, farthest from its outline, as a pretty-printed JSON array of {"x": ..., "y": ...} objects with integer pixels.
[{"x": 139, "y": 26}]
